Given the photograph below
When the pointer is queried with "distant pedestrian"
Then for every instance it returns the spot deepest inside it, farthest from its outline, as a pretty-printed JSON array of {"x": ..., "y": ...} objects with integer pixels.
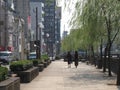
[
  {"x": 69, "y": 59},
  {"x": 76, "y": 59}
]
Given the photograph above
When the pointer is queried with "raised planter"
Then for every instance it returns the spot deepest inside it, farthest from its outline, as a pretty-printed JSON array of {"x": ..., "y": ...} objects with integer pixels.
[
  {"x": 41, "y": 67},
  {"x": 28, "y": 75},
  {"x": 13, "y": 83},
  {"x": 21, "y": 65},
  {"x": 45, "y": 64},
  {"x": 49, "y": 61}
]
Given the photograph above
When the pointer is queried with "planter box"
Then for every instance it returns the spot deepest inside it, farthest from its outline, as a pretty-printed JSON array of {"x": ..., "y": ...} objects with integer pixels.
[
  {"x": 41, "y": 67},
  {"x": 13, "y": 83},
  {"x": 28, "y": 75},
  {"x": 45, "y": 64},
  {"x": 20, "y": 68},
  {"x": 49, "y": 61}
]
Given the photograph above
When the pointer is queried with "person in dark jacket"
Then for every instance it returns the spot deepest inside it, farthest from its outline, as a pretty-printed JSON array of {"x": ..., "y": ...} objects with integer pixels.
[
  {"x": 69, "y": 59},
  {"x": 76, "y": 59}
]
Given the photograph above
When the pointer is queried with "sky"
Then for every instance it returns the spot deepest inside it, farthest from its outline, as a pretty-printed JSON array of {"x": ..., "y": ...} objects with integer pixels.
[{"x": 66, "y": 13}]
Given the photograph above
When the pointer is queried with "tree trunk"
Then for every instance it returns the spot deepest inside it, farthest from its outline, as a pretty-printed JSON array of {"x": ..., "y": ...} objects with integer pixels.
[
  {"x": 104, "y": 61},
  {"x": 93, "y": 56},
  {"x": 109, "y": 61},
  {"x": 100, "y": 61},
  {"x": 118, "y": 72}
]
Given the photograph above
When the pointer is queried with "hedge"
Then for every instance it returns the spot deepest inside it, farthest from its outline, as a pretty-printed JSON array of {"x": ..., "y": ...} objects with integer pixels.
[
  {"x": 21, "y": 65},
  {"x": 3, "y": 73}
]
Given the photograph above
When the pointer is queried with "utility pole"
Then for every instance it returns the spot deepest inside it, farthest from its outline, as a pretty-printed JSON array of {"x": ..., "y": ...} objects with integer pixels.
[
  {"x": 22, "y": 39},
  {"x": 37, "y": 41}
]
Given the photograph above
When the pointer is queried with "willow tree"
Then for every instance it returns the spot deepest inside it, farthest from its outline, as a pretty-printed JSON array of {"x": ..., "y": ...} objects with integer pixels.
[
  {"x": 110, "y": 10},
  {"x": 98, "y": 17},
  {"x": 89, "y": 20}
]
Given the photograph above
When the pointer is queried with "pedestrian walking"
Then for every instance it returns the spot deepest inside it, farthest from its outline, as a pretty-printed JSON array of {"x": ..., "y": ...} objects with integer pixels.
[
  {"x": 69, "y": 59},
  {"x": 76, "y": 59}
]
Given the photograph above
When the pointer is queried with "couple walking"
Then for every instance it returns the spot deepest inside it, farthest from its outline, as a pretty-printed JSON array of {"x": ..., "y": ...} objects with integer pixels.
[{"x": 69, "y": 59}]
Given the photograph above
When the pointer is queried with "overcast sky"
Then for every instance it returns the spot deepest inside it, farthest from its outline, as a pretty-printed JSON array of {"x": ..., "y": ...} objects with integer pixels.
[{"x": 67, "y": 10}]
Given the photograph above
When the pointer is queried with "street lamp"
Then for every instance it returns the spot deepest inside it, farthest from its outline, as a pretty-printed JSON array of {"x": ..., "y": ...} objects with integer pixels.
[
  {"x": 47, "y": 35},
  {"x": 57, "y": 47}
]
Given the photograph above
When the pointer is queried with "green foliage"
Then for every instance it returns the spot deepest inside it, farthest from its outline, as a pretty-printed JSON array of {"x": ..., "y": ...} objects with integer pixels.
[
  {"x": 93, "y": 20},
  {"x": 36, "y": 62},
  {"x": 3, "y": 73},
  {"x": 21, "y": 62},
  {"x": 49, "y": 2},
  {"x": 21, "y": 65},
  {"x": 44, "y": 57}
]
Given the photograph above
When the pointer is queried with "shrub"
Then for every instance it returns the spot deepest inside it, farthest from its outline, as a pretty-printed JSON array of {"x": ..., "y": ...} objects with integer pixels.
[
  {"x": 36, "y": 62},
  {"x": 44, "y": 57},
  {"x": 3, "y": 73},
  {"x": 21, "y": 65}
]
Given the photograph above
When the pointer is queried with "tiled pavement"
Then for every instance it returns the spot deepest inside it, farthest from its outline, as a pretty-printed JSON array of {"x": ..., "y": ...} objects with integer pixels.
[{"x": 57, "y": 76}]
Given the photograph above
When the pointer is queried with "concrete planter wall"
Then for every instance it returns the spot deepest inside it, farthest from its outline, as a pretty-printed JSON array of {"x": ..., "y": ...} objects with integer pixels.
[
  {"x": 13, "y": 83},
  {"x": 28, "y": 75},
  {"x": 41, "y": 67}
]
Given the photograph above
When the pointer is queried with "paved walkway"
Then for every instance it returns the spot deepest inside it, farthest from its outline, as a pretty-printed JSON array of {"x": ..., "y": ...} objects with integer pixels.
[{"x": 57, "y": 76}]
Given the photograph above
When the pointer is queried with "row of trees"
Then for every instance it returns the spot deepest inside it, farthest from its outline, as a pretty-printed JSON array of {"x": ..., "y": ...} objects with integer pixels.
[{"x": 96, "y": 23}]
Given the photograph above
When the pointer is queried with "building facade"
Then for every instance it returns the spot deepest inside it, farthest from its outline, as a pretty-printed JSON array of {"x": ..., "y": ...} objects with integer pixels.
[
  {"x": 22, "y": 14},
  {"x": 37, "y": 26},
  {"x": 57, "y": 30},
  {"x": 6, "y": 20},
  {"x": 49, "y": 26}
]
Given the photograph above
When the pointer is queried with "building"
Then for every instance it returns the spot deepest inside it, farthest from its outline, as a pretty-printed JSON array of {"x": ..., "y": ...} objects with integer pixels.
[
  {"x": 22, "y": 15},
  {"x": 6, "y": 24},
  {"x": 57, "y": 29},
  {"x": 49, "y": 26},
  {"x": 37, "y": 26},
  {"x": 65, "y": 33}
]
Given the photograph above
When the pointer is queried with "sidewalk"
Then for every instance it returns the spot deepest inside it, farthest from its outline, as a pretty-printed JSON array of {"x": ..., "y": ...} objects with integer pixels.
[{"x": 57, "y": 76}]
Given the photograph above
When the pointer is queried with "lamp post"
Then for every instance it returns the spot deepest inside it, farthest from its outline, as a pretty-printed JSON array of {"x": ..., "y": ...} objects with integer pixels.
[
  {"x": 47, "y": 35},
  {"x": 57, "y": 47},
  {"x": 40, "y": 37}
]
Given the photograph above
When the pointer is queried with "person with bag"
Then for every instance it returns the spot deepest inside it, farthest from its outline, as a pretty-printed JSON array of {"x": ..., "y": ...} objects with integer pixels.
[{"x": 69, "y": 59}]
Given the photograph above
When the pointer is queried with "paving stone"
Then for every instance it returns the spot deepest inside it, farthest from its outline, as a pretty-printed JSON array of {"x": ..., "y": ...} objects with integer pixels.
[{"x": 57, "y": 76}]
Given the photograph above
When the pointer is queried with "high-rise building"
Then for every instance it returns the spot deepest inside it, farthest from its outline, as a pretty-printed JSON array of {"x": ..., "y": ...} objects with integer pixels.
[
  {"x": 65, "y": 33},
  {"x": 6, "y": 24},
  {"x": 49, "y": 25},
  {"x": 57, "y": 29},
  {"x": 22, "y": 12},
  {"x": 37, "y": 20}
]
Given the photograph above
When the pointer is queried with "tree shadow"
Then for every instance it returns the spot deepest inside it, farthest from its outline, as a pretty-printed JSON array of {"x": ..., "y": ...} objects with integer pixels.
[{"x": 93, "y": 77}]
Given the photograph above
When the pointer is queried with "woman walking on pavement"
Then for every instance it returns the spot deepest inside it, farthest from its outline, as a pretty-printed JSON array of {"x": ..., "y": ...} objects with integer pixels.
[
  {"x": 76, "y": 59},
  {"x": 69, "y": 59}
]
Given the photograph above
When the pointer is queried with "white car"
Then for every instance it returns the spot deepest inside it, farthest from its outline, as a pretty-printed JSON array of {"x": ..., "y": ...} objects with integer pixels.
[
  {"x": 52, "y": 58},
  {"x": 6, "y": 56},
  {"x": 32, "y": 55}
]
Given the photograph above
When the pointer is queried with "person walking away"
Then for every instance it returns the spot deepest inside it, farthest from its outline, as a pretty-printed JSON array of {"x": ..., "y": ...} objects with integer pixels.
[
  {"x": 69, "y": 59},
  {"x": 76, "y": 59}
]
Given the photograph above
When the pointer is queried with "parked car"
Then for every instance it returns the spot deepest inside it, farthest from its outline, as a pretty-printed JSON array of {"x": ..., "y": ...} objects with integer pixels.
[
  {"x": 6, "y": 56},
  {"x": 32, "y": 55}
]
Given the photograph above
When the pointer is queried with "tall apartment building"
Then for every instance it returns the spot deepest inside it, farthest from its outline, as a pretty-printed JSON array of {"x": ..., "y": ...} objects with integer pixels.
[
  {"x": 6, "y": 24},
  {"x": 2, "y": 25},
  {"x": 49, "y": 25},
  {"x": 37, "y": 20},
  {"x": 57, "y": 29},
  {"x": 22, "y": 12}
]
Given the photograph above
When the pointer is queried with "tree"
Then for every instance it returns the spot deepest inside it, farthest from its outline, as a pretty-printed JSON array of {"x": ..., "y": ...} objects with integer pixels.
[{"x": 99, "y": 19}]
